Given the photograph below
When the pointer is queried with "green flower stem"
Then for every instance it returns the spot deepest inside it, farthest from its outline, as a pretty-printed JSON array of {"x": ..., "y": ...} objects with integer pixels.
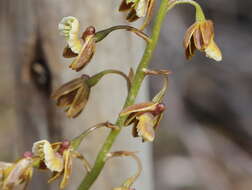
[
  {"x": 92, "y": 81},
  {"x": 199, "y": 12},
  {"x": 75, "y": 143},
  {"x": 103, "y": 33},
  {"x": 136, "y": 84}
]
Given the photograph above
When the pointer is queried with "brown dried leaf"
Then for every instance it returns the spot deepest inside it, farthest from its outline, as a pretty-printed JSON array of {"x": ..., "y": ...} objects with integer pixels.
[
  {"x": 142, "y": 107},
  {"x": 68, "y": 53},
  {"x": 85, "y": 55},
  {"x": 207, "y": 30},
  {"x": 124, "y": 6}
]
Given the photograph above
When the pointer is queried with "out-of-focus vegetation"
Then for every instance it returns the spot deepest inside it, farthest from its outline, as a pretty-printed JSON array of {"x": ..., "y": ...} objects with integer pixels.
[{"x": 205, "y": 141}]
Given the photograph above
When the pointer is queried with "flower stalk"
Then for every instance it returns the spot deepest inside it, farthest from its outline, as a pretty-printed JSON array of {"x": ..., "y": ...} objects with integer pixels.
[
  {"x": 92, "y": 81},
  {"x": 129, "y": 181},
  {"x": 199, "y": 12},
  {"x": 75, "y": 143},
  {"x": 103, "y": 33},
  {"x": 136, "y": 84}
]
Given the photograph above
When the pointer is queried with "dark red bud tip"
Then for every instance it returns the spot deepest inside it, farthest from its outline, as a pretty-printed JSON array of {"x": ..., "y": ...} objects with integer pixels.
[
  {"x": 28, "y": 154},
  {"x": 90, "y": 30},
  {"x": 65, "y": 144},
  {"x": 85, "y": 76},
  {"x": 160, "y": 107}
]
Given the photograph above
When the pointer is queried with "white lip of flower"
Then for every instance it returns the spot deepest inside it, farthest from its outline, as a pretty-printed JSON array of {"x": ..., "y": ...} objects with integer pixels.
[
  {"x": 3, "y": 165},
  {"x": 212, "y": 51},
  {"x": 141, "y": 8},
  {"x": 69, "y": 27},
  {"x": 145, "y": 127},
  {"x": 16, "y": 176},
  {"x": 53, "y": 161}
]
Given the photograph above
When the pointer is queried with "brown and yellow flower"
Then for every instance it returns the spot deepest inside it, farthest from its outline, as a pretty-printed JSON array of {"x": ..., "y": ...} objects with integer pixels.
[
  {"x": 57, "y": 157},
  {"x": 16, "y": 175},
  {"x": 200, "y": 36},
  {"x": 137, "y": 8},
  {"x": 82, "y": 48},
  {"x": 145, "y": 118},
  {"x": 73, "y": 96}
]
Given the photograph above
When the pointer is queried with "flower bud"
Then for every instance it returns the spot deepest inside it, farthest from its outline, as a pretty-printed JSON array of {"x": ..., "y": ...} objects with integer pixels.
[
  {"x": 201, "y": 36},
  {"x": 73, "y": 96},
  {"x": 136, "y": 8}
]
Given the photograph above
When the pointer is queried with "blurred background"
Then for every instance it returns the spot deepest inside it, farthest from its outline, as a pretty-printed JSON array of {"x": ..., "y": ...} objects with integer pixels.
[{"x": 204, "y": 141}]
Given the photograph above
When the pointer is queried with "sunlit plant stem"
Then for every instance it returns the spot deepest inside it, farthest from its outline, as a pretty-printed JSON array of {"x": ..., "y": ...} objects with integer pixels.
[{"x": 136, "y": 84}]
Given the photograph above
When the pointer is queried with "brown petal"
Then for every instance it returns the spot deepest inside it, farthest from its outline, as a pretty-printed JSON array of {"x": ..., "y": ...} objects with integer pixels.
[
  {"x": 124, "y": 6},
  {"x": 188, "y": 52},
  {"x": 130, "y": 119},
  {"x": 157, "y": 120},
  {"x": 149, "y": 13},
  {"x": 85, "y": 55},
  {"x": 55, "y": 176},
  {"x": 189, "y": 34},
  {"x": 68, "y": 88},
  {"x": 79, "y": 102},
  {"x": 67, "y": 99},
  {"x": 134, "y": 129},
  {"x": 132, "y": 16},
  {"x": 142, "y": 107},
  {"x": 67, "y": 168},
  {"x": 198, "y": 40},
  {"x": 207, "y": 30},
  {"x": 68, "y": 53}
]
